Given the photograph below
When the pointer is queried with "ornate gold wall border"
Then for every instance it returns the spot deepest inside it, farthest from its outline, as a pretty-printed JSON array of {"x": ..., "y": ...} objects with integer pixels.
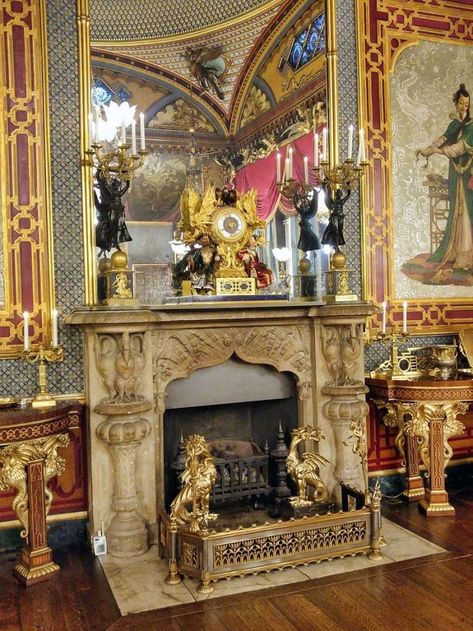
[
  {"x": 25, "y": 175},
  {"x": 384, "y": 28},
  {"x": 88, "y": 214}
]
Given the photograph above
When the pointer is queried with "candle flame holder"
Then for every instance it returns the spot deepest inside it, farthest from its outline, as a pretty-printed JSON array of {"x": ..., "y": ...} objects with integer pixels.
[
  {"x": 118, "y": 163},
  {"x": 42, "y": 356},
  {"x": 398, "y": 364}
]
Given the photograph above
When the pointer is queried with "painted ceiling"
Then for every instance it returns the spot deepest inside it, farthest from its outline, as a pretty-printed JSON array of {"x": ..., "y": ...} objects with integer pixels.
[{"x": 148, "y": 19}]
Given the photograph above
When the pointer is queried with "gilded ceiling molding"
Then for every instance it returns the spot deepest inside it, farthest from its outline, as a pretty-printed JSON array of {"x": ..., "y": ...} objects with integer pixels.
[{"x": 263, "y": 47}]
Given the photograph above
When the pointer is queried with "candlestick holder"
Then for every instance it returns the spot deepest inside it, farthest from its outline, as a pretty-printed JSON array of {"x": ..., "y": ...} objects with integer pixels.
[
  {"x": 398, "y": 364},
  {"x": 118, "y": 163},
  {"x": 337, "y": 182},
  {"x": 42, "y": 356}
]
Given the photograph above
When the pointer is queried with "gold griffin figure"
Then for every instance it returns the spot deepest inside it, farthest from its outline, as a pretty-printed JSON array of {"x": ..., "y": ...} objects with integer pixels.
[
  {"x": 304, "y": 470},
  {"x": 198, "y": 477}
]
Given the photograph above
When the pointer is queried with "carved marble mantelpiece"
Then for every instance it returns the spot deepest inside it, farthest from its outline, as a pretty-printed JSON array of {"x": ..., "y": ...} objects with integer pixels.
[{"x": 132, "y": 356}]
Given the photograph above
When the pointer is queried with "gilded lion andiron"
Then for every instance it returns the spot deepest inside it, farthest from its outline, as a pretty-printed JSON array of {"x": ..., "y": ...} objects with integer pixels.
[{"x": 314, "y": 532}]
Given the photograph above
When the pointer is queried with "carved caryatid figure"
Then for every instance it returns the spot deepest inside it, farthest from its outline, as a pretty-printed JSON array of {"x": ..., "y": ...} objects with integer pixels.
[
  {"x": 350, "y": 350},
  {"x": 304, "y": 469},
  {"x": 331, "y": 352},
  {"x": 198, "y": 478}
]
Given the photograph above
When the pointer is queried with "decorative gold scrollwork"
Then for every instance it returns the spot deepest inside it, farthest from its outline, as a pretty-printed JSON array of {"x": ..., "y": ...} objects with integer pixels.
[{"x": 14, "y": 459}]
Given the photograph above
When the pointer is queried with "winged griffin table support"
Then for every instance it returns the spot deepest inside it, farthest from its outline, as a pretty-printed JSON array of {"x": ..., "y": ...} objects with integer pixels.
[
  {"x": 29, "y": 443},
  {"x": 425, "y": 410}
]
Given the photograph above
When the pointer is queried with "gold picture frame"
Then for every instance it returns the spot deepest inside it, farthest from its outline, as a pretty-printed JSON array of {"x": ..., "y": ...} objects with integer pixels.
[{"x": 387, "y": 33}]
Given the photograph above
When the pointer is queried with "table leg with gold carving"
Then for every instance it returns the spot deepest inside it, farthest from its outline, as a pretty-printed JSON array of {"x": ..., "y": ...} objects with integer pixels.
[
  {"x": 27, "y": 467},
  {"x": 396, "y": 415},
  {"x": 415, "y": 489},
  {"x": 434, "y": 424}
]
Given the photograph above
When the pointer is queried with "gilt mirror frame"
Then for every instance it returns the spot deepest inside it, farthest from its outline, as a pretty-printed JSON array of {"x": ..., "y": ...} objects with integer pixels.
[
  {"x": 26, "y": 254},
  {"x": 84, "y": 40}
]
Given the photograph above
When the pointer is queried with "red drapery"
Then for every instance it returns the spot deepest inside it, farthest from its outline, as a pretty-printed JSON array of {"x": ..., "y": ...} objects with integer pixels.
[{"x": 261, "y": 175}]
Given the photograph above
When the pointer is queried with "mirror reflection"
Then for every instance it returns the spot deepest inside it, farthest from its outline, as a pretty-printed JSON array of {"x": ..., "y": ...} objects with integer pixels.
[{"x": 220, "y": 117}]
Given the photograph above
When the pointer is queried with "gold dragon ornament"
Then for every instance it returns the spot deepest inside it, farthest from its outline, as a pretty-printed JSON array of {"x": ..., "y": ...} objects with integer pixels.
[
  {"x": 304, "y": 470},
  {"x": 229, "y": 227},
  {"x": 198, "y": 478}
]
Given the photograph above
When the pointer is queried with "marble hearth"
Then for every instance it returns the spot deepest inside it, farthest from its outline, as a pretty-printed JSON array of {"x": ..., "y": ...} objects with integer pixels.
[{"x": 132, "y": 356}]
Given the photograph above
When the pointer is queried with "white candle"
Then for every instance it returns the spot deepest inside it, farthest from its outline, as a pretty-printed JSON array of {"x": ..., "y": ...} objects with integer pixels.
[
  {"x": 316, "y": 149},
  {"x": 91, "y": 128},
  {"x": 324, "y": 144},
  {"x": 306, "y": 170},
  {"x": 54, "y": 327},
  {"x": 361, "y": 147},
  {"x": 123, "y": 134},
  {"x": 404, "y": 317},
  {"x": 133, "y": 136},
  {"x": 290, "y": 163},
  {"x": 287, "y": 170},
  {"x": 278, "y": 166},
  {"x": 350, "y": 142},
  {"x": 26, "y": 336},
  {"x": 142, "y": 131},
  {"x": 383, "y": 325}
]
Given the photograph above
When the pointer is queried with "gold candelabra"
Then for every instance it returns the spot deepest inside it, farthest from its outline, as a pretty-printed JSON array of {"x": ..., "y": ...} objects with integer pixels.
[
  {"x": 344, "y": 176},
  {"x": 398, "y": 363},
  {"x": 42, "y": 356},
  {"x": 338, "y": 181},
  {"x": 119, "y": 163}
]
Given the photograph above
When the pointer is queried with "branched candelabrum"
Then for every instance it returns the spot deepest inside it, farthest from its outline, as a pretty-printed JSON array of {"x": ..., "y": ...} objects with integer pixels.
[
  {"x": 120, "y": 163},
  {"x": 396, "y": 338},
  {"x": 341, "y": 176},
  {"x": 42, "y": 356}
]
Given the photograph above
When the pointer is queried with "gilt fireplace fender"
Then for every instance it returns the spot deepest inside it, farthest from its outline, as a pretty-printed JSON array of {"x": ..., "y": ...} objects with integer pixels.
[{"x": 133, "y": 355}]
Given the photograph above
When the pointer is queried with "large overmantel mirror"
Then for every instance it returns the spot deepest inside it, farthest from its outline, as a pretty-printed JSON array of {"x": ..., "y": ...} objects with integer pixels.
[{"x": 223, "y": 87}]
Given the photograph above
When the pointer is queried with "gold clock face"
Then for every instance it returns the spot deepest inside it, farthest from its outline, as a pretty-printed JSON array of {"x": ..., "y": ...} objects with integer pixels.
[{"x": 229, "y": 224}]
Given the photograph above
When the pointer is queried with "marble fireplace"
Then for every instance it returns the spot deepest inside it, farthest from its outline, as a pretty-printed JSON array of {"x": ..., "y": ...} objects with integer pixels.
[{"x": 132, "y": 357}]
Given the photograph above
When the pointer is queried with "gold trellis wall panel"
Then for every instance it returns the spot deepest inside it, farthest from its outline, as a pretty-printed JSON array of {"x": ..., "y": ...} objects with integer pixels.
[
  {"x": 24, "y": 175},
  {"x": 396, "y": 37}
]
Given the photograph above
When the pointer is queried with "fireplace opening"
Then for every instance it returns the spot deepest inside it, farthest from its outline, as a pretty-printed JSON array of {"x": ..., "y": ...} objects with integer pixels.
[{"x": 238, "y": 408}]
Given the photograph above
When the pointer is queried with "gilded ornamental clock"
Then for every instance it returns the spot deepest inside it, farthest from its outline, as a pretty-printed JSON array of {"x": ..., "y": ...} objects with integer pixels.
[{"x": 228, "y": 227}]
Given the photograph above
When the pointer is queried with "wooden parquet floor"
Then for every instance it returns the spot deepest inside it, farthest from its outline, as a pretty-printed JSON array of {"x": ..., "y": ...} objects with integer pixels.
[{"x": 434, "y": 592}]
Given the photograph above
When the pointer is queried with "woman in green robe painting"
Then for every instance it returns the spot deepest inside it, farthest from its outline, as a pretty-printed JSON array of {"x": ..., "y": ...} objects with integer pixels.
[{"x": 452, "y": 261}]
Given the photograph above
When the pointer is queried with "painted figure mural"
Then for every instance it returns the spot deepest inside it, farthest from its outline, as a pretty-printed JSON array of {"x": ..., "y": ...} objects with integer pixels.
[{"x": 451, "y": 263}]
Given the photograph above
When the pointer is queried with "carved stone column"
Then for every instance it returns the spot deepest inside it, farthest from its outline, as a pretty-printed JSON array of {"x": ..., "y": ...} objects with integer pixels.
[
  {"x": 344, "y": 406},
  {"x": 123, "y": 431},
  {"x": 342, "y": 347}
]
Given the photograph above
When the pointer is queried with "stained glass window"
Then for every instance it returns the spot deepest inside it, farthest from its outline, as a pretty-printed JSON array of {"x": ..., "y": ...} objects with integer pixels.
[
  {"x": 101, "y": 93},
  {"x": 308, "y": 43}
]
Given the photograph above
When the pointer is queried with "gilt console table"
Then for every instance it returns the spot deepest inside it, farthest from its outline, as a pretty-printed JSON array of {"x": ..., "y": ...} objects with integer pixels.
[
  {"x": 425, "y": 411},
  {"x": 29, "y": 443}
]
